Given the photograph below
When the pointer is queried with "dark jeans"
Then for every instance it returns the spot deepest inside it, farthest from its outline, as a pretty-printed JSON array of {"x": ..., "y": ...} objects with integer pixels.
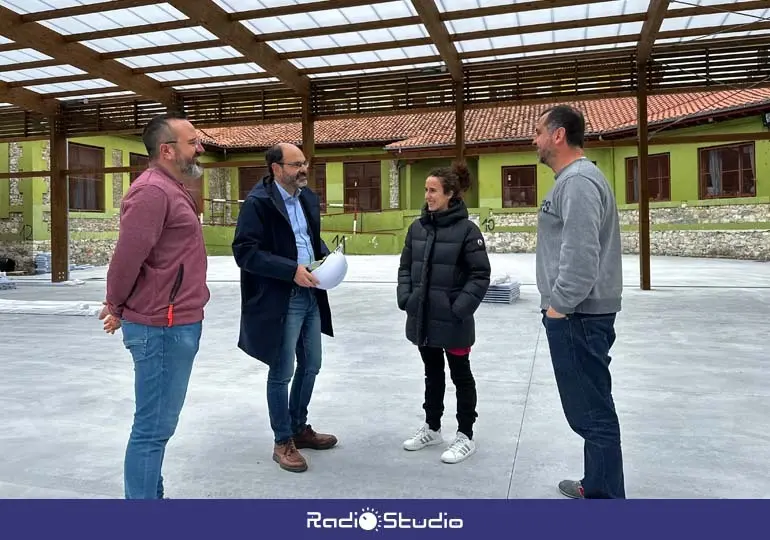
[
  {"x": 301, "y": 340},
  {"x": 580, "y": 346},
  {"x": 435, "y": 386},
  {"x": 163, "y": 360}
]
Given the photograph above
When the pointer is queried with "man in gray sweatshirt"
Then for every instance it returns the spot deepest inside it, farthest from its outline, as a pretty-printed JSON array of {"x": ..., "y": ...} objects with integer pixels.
[{"x": 580, "y": 279}]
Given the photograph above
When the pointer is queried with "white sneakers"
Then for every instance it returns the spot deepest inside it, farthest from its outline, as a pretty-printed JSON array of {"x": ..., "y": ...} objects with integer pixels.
[
  {"x": 460, "y": 449},
  {"x": 424, "y": 437}
]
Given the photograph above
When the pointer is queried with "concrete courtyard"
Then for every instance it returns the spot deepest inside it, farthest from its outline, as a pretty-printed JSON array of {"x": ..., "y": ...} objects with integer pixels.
[{"x": 691, "y": 385}]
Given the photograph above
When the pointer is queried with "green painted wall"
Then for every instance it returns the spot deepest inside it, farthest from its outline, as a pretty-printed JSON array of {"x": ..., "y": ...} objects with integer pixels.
[
  {"x": 384, "y": 230},
  {"x": 491, "y": 174},
  {"x": 683, "y": 159},
  {"x": 335, "y": 187}
]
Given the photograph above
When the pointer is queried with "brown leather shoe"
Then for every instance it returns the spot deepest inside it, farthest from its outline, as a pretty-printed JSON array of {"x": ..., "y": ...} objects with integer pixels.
[
  {"x": 308, "y": 438},
  {"x": 288, "y": 458}
]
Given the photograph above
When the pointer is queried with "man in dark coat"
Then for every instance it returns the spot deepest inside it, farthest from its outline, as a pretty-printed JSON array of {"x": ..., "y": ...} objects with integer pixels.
[{"x": 282, "y": 313}]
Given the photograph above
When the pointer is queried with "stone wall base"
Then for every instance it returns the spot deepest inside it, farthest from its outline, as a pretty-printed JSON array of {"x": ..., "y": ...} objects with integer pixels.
[
  {"x": 748, "y": 245},
  {"x": 82, "y": 252}
]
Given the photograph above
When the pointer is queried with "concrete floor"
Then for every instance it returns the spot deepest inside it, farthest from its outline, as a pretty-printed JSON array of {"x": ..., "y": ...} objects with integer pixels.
[{"x": 691, "y": 384}]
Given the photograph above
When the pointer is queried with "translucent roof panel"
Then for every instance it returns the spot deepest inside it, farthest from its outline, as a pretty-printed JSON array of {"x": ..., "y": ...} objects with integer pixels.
[
  {"x": 720, "y": 18},
  {"x": 232, "y": 6},
  {"x": 553, "y": 38},
  {"x": 432, "y": 66},
  {"x": 552, "y": 15},
  {"x": 366, "y": 57},
  {"x": 197, "y": 55},
  {"x": 330, "y": 17},
  {"x": 120, "y": 18},
  {"x": 238, "y": 69},
  {"x": 21, "y": 55},
  {"x": 33, "y": 6},
  {"x": 720, "y": 35},
  {"x": 716, "y": 5},
  {"x": 151, "y": 39},
  {"x": 349, "y": 39},
  {"x": 97, "y": 95},
  {"x": 40, "y": 73},
  {"x": 564, "y": 51},
  {"x": 70, "y": 86},
  {"x": 227, "y": 83}
]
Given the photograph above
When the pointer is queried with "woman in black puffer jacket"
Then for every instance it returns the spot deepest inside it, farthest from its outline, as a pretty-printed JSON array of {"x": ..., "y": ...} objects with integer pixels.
[{"x": 442, "y": 279}]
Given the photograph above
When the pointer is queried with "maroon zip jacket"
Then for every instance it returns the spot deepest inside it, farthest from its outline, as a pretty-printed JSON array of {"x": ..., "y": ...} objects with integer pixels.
[{"x": 160, "y": 257}]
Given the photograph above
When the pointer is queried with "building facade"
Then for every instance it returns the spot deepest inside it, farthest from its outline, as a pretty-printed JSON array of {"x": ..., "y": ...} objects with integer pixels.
[{"x": 708, "y": 199}]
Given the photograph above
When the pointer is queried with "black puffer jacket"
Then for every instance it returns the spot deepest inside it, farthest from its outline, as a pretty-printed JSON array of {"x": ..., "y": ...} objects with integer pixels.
[{"x": 442, "y": 278}]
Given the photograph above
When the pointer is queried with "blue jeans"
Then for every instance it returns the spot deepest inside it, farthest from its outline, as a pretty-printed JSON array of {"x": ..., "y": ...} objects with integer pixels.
[
  {"x": 163, "y": 360},
  {"x": 301, "y": 337},
  {"x": 580, "y": 346}
]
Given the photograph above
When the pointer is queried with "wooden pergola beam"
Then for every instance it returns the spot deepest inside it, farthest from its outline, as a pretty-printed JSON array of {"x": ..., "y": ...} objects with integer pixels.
[
  {"x": 293, "y": 9},
  {"x": 48, "y": 42},
  {"x": 430, "y": 16},
  {"x": 363, "y": 47},
  {"x": 50, "y": 80},
  {"x": 36, "y": 64},
  {"x": 177, "y": 47},
  {"x": 26, "y": 99},
  {"x": 82, "y": 92},
  {"x": 655, "y": 15},
  {"x": 59, "y": 202},
  {"x": 339, "y": 29},
  {"x": 217, "y": 79},
  {"x": 218, "y": 22},
  {"x": 308, "y": 137},
  {"x": 642, "y": 177},
  {"x": 128, "y": 31},
  {"x": 193, "y": 65},
  {"x": 7, "y": 47}
]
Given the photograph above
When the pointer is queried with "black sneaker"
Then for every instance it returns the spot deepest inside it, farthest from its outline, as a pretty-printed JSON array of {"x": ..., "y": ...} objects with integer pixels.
[{"x": 572, "y": 489}]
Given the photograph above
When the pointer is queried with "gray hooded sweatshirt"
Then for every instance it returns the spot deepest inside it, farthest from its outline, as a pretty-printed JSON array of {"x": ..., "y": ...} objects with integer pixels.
[{"x": 579, "y": 258}]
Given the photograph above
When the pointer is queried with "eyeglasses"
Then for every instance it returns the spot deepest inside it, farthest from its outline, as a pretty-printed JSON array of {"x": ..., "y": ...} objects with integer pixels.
[
  {"x": 297, "y": 164},
  {"x": 194, "y": 142}
]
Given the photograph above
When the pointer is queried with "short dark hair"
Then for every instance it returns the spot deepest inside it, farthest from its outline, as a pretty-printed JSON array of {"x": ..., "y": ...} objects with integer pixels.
[
  {"x": 274, "y": 154},
  {"x": 456, "y": 179},
  {"x": 157, "y": 131},
  {"x": 571, "y": 119}
]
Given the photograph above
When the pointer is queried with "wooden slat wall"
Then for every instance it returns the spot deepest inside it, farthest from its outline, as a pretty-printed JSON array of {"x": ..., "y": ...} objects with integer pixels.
[
  {"x": 113, "y": 114},
  {"x": 253, "y": 103},
  {"x": 17, "y": 123}
]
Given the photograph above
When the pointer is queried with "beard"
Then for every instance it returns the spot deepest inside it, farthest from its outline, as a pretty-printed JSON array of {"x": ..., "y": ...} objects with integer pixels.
[
  {"x": 296, "y": 181},
  {"x": 543, "y": 156},
  {"x": 190, "y": 167}
]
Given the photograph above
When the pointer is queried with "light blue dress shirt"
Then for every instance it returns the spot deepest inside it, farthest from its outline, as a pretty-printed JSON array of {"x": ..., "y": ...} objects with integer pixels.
[{"x": 298, "y": 225}]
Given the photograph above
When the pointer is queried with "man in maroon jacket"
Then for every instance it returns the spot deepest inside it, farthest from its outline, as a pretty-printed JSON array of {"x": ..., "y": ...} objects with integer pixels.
[{"x": 156, "y": 291}]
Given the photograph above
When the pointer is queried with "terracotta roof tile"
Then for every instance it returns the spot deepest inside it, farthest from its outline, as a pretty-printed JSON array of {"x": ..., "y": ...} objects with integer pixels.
[{"x": 483, "y": 125}]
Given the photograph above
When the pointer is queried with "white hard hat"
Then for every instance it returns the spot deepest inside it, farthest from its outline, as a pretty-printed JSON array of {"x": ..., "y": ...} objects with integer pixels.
[{"x": 332, "y": 270}]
